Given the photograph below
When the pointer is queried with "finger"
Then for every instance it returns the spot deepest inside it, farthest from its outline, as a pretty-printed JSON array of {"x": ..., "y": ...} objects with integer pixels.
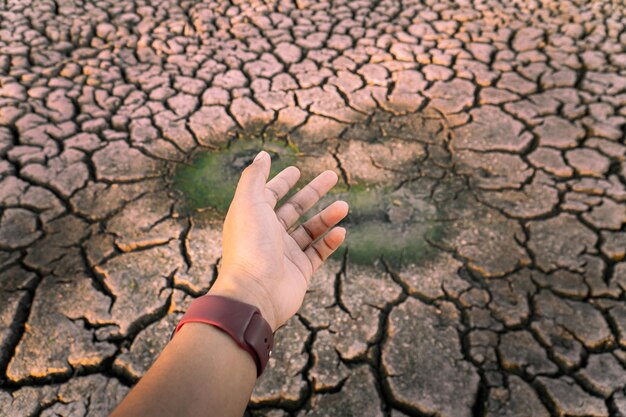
[
  {"x": 279, "y": 186},
  {"x": 251, "y": 185},
  {"x": 319, "y": 224},
  {"x": 320, "y": 250},
  {"x": 289, "y": 213}
]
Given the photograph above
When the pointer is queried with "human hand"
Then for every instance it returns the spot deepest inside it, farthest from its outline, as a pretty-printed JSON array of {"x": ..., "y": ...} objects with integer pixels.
[{"x": 263, "y": 262}]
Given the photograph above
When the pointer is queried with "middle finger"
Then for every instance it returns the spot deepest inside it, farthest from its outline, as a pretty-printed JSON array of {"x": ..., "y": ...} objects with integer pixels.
[{"x": 289, "y": 213}]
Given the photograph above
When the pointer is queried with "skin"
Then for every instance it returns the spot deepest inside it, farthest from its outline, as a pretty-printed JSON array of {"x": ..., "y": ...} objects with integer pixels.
[{"x": 267, "y": 261}]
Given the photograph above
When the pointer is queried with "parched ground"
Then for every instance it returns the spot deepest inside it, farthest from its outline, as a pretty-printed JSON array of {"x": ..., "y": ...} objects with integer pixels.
[{"x": 503, "y": 118}]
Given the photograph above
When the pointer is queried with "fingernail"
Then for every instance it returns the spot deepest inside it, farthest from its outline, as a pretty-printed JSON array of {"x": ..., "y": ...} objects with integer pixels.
[{"x": 259, "y": 156}]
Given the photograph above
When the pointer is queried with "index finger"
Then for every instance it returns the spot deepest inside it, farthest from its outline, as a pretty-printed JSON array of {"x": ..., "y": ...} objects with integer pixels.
[{"x": 302, "y": 201}]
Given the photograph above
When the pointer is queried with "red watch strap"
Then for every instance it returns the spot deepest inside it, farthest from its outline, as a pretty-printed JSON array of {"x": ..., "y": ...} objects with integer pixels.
[{"x": 243, "y": 322}]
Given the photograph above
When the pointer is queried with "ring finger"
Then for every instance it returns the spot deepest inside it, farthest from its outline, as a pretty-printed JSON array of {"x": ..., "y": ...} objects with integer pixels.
[{"x": 289, "y": 213}]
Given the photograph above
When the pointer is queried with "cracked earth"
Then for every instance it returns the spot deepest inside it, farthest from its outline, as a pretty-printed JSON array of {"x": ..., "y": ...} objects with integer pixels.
[{"x": 505, "y": 118}]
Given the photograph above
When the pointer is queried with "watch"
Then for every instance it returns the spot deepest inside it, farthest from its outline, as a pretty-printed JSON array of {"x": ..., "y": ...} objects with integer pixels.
[{"x": 243, "y": 322}]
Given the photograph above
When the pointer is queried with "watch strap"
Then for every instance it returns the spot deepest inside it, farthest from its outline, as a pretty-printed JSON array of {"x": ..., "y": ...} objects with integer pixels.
[{"x": 242, "y": 321}]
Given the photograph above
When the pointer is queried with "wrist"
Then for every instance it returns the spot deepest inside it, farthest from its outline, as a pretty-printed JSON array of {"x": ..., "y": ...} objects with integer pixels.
[{"x": 227, "y": 287}]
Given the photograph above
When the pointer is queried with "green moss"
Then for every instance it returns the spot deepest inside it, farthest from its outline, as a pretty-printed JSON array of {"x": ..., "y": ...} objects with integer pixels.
[
  {"x": 209, "y": 181},
  {"x": 365, "y": 201},
  {"x": 371, "y": 235}
]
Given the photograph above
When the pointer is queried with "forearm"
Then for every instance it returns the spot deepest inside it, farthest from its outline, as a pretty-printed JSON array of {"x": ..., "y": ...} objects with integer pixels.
[{"x": 201, "y": 372}]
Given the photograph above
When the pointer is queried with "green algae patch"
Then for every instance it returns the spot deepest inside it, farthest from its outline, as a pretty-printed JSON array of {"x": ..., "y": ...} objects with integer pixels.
[
  {"x": 368, "y": 242},
  {"x": 397, "y": 225},
  {"x": 209, "y": 181},
  {"x": 399, "y": 213}
]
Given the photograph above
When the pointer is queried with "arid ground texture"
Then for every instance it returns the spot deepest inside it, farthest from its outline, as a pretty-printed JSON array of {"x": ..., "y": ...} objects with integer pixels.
[{"x": 480, "y": 145}]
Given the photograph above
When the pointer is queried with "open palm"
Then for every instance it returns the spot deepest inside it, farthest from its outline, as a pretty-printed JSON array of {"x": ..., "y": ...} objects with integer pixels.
[{"x": 265, "y": 260}]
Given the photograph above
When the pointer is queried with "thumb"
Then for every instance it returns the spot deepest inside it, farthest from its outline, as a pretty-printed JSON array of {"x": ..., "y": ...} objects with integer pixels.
[{"x": 251, "y": 185}]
